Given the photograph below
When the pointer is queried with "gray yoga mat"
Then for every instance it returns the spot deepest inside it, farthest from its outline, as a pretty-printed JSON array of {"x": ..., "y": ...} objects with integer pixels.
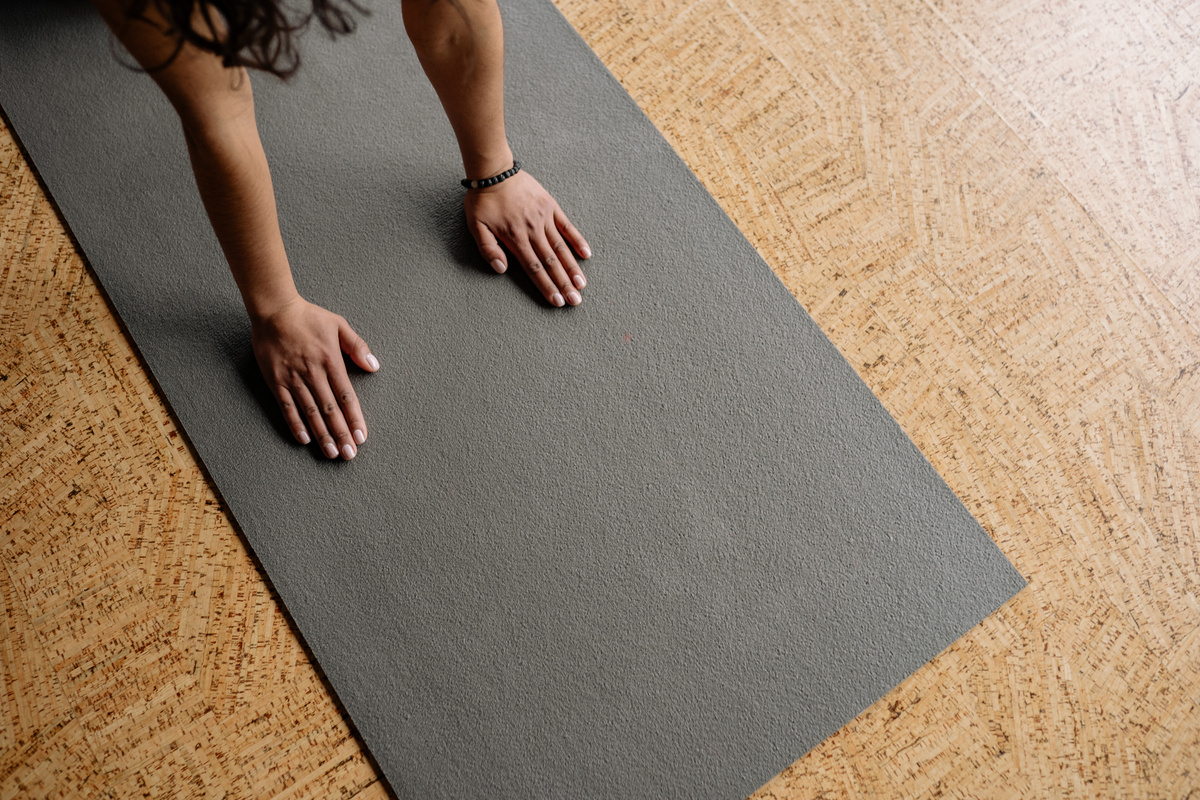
[{"x": 659, "y": 545}]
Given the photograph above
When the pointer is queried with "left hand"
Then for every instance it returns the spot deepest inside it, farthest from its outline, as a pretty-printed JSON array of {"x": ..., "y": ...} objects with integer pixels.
[{"x": 519, "y": 214}]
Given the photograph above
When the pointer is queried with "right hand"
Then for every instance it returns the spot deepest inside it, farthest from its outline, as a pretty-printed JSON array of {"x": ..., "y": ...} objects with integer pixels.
[
  {"x": 299, "y": 350},
  {"x": 519, "y": 214}
]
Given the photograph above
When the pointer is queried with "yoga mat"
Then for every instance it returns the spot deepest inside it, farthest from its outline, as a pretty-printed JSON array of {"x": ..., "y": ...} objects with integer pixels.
[{"x": 659, "y": 545}]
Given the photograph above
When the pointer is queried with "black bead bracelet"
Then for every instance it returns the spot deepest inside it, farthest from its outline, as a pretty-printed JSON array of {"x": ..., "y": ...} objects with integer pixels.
[{"x": 483, "y": 183}]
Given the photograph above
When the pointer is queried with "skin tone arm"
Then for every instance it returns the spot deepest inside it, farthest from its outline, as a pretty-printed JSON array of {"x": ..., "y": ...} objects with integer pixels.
[
  {"x": 298, "y": 345},
  {"x": 461, "y": 46}
]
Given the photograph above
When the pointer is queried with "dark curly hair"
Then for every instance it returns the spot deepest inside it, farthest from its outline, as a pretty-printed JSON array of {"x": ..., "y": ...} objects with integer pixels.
[{"x": 258, "y": 34}]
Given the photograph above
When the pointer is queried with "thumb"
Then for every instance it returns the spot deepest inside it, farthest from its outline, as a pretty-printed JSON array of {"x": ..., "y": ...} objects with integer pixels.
[
  {"x": 354, "y": 346},
  {"x": 489, "y": 248}
]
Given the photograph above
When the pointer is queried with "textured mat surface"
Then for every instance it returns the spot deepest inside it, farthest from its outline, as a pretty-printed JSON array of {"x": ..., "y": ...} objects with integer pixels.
[{"x": 658, "y": 545}]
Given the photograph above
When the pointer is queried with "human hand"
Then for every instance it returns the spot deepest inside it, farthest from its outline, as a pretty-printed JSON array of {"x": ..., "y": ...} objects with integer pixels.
[
  {"x": 519, "y": 214},
  {"x": 299, "y": 350}
]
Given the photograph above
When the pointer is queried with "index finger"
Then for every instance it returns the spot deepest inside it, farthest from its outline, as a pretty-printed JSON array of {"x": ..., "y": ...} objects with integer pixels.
[
  {"x": 573, "y": 236},
  {"x": 525, "y": 253},
  {"x": 343, "y": 392},
  {"x": 566, "y": 258}
]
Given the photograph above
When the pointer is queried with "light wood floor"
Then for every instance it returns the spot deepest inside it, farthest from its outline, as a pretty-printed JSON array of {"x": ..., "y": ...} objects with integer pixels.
[{"x": 990, "y": 207}]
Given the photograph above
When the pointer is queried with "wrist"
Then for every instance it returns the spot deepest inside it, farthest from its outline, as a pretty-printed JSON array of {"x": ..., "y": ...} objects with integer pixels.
[
  {"x": 261, "y": 307},
  {"x": 479, "y": 166},
  {"x": 493, "y": 181}
]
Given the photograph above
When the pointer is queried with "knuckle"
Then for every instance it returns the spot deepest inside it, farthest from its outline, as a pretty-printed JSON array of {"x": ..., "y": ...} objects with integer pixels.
[
  {"x": 345, "y": 397},
  {"x": 311, "y": 410},
  {"x": 329, "y": 407},
  {"x": 534, "y": 267}
]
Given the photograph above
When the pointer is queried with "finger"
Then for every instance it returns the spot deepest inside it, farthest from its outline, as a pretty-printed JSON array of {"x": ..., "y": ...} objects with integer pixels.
[
  {"x": 554, "y": 267},
  {"x": 537, "y": 273},
  {"x": 348, "y": 401},
  {"x": 354, "y": 346},
  {"x": 574, "y": 273},
  {"x": 573, "y": 237},
  {"x": 291, "y": 414},
  {"x": 311, "y": 412},
  {"x": 338, "y": 437},
  {"x": 489, "y": 248}
]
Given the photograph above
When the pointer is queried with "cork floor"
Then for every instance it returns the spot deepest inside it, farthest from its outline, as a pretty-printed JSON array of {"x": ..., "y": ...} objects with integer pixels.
[{"x": 988, "y": 207}]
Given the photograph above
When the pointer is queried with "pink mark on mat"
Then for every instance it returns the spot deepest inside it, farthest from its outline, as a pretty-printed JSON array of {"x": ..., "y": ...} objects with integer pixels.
[{"x": 629, "y": 337}]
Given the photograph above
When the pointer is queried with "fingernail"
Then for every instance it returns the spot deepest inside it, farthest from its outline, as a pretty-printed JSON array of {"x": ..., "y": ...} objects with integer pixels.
[
  {"x": 331, "y": 449},
  {"x": 557, "y": 300},
  {"x": 304, "y": 437},
  {"x": 587, "y": 251},
  {"x": 347, "y": 452},
  {"x": 498, "y": 265},
  {"x": 373, "y": 361},
  {"x": 359, "y": 437},
  {"x": 575, "y": 298},
  {"x": 580, "y": 281}
]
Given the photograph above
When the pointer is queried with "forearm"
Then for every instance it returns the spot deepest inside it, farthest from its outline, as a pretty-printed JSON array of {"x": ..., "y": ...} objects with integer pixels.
[
  {"x": 299, "y": 346},
  {"x": 460, "y": 44},
  {"x": 235, "y": 185},
  {"x": 216, "y": 108}
]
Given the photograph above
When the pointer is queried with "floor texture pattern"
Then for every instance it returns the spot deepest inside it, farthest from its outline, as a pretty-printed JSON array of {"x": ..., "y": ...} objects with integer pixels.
[{"x": 989, "y": 208}]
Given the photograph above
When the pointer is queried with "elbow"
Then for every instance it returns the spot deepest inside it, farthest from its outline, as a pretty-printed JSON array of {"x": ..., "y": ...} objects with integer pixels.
[
  {"x": 213, "y": 111},
  {"x": 448, "y": 24}
]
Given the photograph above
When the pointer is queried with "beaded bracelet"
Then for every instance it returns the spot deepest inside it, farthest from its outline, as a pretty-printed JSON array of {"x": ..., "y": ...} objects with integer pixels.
[{"x": 492, "y": 181}]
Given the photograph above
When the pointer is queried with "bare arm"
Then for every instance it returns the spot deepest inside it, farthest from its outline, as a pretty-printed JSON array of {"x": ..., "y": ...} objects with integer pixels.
[
  {"x": 298, "y": 345},
  {"x": 461, "y": 46}
]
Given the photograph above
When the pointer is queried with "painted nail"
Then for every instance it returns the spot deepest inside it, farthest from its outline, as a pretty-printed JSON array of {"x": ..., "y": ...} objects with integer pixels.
[
  {"x": 331, "y": 449},
  {"x": 373, "y": 361},
  {"x": 575, "y": 298},
  {"x": 498, "y": 265},
  {"x": 557, "y": 300},
  {"x": 347, "y": 452},
  {"x": 304, "y": 437},
  {"x": 587, "y": 251},
  {"x": 579, "y": 280},
  {"x": 359, "y": 437}
]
